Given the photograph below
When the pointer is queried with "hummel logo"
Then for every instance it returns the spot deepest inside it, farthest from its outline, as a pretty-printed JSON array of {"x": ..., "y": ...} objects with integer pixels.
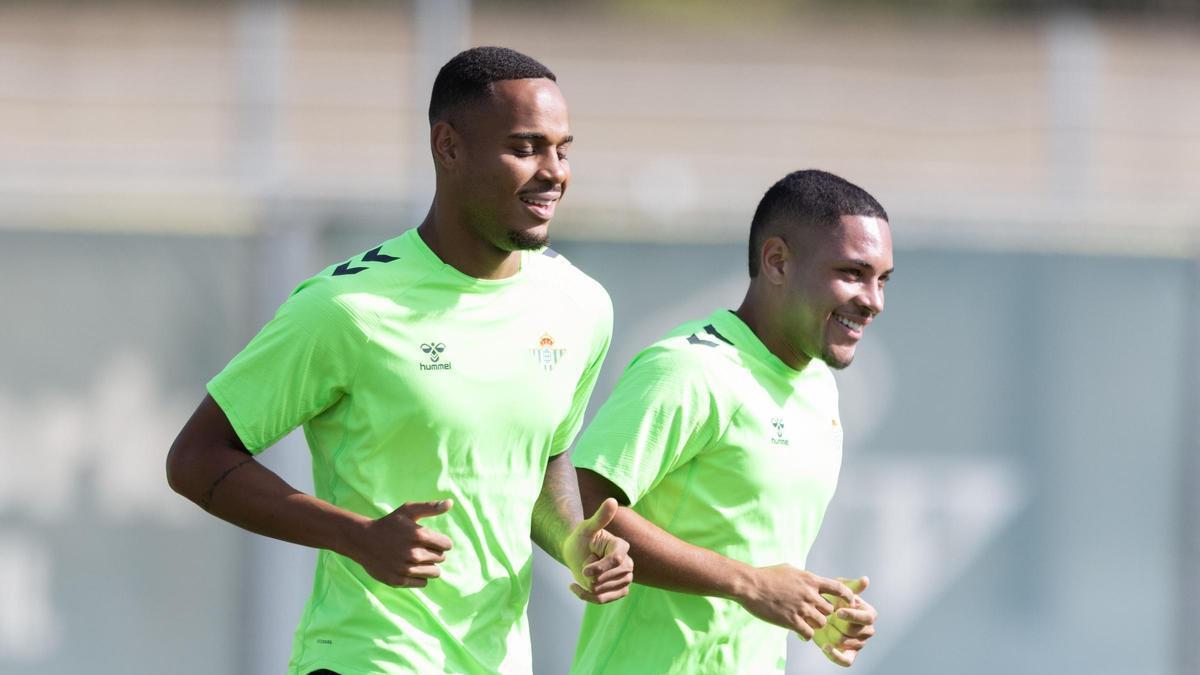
[
  {"x": 777, "y": 422},
  {"x": 434, "y": 350}
]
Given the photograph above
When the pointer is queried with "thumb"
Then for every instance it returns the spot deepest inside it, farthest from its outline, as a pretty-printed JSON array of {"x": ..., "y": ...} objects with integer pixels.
[
  {"x": 602, "y": 517},
  {"x": 416, "y": 510}
]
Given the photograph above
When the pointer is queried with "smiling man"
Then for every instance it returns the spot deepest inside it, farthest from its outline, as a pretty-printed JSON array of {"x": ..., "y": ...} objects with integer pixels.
[
  {"x": 724, "y": 442},
  {"x": 439, "y": 378}
]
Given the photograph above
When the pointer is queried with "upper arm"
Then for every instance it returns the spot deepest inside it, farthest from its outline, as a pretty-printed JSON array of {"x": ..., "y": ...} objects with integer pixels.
[
  {"x": 594, "y": 489},
  {"x": 659, "y": 417},
  {"x": 204, "y": 438},
  {"x": 300, "y": 364}
]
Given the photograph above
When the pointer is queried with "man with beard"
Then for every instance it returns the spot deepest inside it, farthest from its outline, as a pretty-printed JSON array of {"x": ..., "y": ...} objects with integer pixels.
[
  {"x": 439, "y": 378},
  {"x": 724, "y": 443}
]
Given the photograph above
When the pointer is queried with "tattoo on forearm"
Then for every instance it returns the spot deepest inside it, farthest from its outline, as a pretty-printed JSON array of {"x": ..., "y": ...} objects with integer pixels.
[
  {"x": 206, "y": 500},
  {"x": 556, "y": 509}
]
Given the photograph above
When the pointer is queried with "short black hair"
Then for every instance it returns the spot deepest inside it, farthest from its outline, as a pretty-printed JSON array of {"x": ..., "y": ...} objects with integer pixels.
[
  {"x": 808, "y": 197},
  {"x": 469, "y": 76}
]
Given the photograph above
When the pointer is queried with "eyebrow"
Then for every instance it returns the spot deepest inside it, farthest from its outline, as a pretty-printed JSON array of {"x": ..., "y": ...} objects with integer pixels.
[
  {"x": 535, "y": 136},
  {"x": 869, "y": 266}
]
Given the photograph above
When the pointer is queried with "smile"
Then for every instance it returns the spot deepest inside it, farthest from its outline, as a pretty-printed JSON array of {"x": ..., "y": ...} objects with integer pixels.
[{"x": 856, "y": 327}]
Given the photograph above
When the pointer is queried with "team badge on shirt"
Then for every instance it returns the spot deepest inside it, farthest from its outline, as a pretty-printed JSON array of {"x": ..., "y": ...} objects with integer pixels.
[{"x": 546, "y": 354}]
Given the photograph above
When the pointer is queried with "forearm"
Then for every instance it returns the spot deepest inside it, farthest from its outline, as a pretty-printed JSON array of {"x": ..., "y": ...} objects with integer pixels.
[
  {"x": 664, "y": 560},
  {"x": 233, "y": 486},
  {"x": 208, "y": 465},
  {"x": 667, "y": 562},
  {"x": 557, "y": 510}
]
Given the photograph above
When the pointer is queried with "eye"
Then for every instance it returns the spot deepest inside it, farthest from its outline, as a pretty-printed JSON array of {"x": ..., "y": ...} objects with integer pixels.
[
  {"x": 525, "y": 151},
  {"x": 851, "y": 273}
]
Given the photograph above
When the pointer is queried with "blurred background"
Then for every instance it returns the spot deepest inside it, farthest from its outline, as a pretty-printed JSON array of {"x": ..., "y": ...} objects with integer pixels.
[{"x": 1022, "y": 453}]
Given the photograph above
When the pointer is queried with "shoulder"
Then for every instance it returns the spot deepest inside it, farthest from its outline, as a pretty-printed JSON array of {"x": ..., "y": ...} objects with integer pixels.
[
  {"x": 387, "y": 268},
  {"x": 324, "y": 306},
  {"x": 554, "y": 269},
  {"x": 689, "y": 355},
  {"x": 367, "y": 280}
]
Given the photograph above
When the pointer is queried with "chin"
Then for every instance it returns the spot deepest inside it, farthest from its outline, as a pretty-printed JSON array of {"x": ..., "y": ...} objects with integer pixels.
[
  {"x": 837, "y": 361},
  {"x": 528, "y": 240}
]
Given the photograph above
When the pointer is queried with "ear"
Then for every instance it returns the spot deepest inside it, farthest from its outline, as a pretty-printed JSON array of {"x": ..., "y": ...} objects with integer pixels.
[
  {"x": 446, "y": 144},
  {"x": 773, "y": 260}
]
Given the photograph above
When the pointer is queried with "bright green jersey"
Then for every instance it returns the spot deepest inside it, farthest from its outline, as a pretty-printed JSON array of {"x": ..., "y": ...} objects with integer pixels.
[
  {"x": 415, "y": 382},
  {"x": 721, "y": 444}
]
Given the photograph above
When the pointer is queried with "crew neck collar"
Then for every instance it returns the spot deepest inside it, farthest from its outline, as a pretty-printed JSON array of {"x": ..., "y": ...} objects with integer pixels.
[
  {"x": 731, "y": 326},
  {"x": 465, "y": 280}
]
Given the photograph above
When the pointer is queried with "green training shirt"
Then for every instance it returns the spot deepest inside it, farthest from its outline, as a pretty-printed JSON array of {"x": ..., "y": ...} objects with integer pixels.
[
  {"x": 717, "y": 441},
  {"x": 415, "y": 382}
]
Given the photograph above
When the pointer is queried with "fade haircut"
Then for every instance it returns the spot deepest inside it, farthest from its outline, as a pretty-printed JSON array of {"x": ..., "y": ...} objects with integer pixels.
[
  {"x": 469, "y": 77},
  {"x": 805, "y": 199}
]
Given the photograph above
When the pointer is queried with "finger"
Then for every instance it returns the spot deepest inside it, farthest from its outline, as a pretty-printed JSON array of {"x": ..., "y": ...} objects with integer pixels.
[
  {"x": 622, "y": 570},
  {"x": 416, "y": 510},
  {"x": 605, "y": 564},
  {"x": 424, "y": 571},
  {"x": 603, "y": 543},
  {"x": 601, "y": 518},
  {"x": 825, "y": 605},
  {"x": 583, "y": 594},
  {"x": 804, "y": 631},
  {"x": 857, "y": 585},
  {"x": 812, "y": 617},
  {"x": 840, "y": 657},
  {"x": 609, "y": 596},
  {"x": 851, "y": 644},
  {"x": 424, "y": 555},
  {"x": 861, "y": 617},
  {"x": 612, "y": 584},
  {"x": 836, "y": 589},
  {"x": 433, "y": 540}
]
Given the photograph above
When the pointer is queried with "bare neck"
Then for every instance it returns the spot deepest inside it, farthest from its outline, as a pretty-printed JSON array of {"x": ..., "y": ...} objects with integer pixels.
[
  {"x": 458, "y": 244},
  {"x": 760, "y": 316}
]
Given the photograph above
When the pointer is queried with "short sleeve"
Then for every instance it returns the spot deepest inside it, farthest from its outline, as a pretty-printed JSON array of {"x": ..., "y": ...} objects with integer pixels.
[
  {"x": 565, "y": 434},
  {"x": 661, "y": 414},
  {"x": 301, "y": 363}
]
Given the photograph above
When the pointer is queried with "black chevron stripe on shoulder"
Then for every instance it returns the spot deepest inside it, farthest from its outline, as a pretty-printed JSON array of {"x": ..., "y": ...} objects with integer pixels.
[
  {"x": 375, "y": 255},
  {"x": 713, "y": 332},
  {"x": 696, "y": 339}
]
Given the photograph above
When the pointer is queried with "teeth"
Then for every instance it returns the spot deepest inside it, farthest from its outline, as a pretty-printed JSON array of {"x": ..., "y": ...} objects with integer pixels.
[
  {"x": 848, "y": 323},
  {"x": 536, "y": 202}
]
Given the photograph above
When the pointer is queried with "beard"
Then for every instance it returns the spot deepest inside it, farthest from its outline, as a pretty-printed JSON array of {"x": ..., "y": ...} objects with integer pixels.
[
  {"x": 527, "y": 240},
  {"x": 833, "y": 361}
]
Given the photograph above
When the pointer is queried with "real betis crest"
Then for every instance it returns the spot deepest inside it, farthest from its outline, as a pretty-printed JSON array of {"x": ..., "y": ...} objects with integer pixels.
[{"x": 546, "y": 354}]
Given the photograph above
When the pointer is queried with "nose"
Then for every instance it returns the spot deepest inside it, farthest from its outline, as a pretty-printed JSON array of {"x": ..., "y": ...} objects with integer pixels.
[
  {"x": 554, "y": 169},
  {"x": 871, "y": 297}
]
